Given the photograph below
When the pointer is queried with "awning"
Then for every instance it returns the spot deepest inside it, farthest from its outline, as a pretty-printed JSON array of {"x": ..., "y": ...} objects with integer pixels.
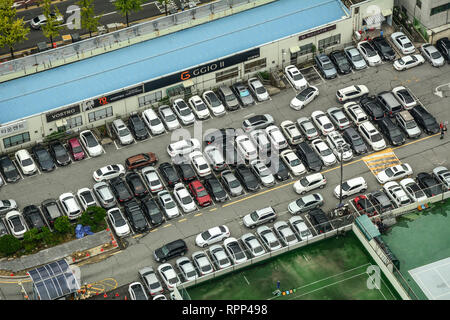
[
  {"x": 375, "y": 20},
  {"x": 294, "y": 49},
  {"x": 188, "y": 83},
  {"x": 386, "y": 12}
]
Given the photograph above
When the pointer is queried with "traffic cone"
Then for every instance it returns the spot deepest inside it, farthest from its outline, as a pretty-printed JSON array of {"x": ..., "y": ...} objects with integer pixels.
[
  {"x": 105, "y": 295},
  {"x": 12, "y": 274},
  {"x": 125, "y": 298}
]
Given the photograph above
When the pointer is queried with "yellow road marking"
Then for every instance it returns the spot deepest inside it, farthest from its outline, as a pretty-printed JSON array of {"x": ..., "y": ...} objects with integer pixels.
[
  {"x": 182, "y": 220},
  {"x": 167, "y": 225},
  {"x": 382, "y": 161},
  {"x": 213, "y": 209},
  {"x": 198, "y": 214},
  {"x": 137, "y": 236},
  {"x": 154, "y": 230}
]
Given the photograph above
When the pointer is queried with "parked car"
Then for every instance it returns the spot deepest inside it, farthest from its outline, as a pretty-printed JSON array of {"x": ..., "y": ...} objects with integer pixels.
[
  {"x": 338, "y": 118},
  {"x": 59, "y": 153},
  {"x": 319, "y": 220},
  {"x": 340, "y": 148},
  {"x": 259, "y": 216},
  {"x": 120, "y": 190},
  {"x": 215, "y": 189},
  {"x": 202, "y": 263},
  {"x": 295, "y": 77},
  {"x": 41, "y": 20},
  {"x": 33, "y": 218},
  {"x": 396, "y": 193},
  {"x": 325, "y": 66},
  {"x": 136, "y": 185},
  {"x": 169, "y": 276},
  {"x": 108, "y": 172},
  {"x": 391, "y": 131},
  {"x": 304, "y": 97},
  {"x": 90, "y": 143},
  {"x": 200, "y": 164},
  {"x": 7, "y": 205},
  {"x": 310, "y": 182},
  {"x": 259, "y": 121},
  {"x": 169, "y": 174},
  {"x": 151, "y": 177},
  {"x": 300, "y": 228},
  {"x": 137, "y": 127},
  {"x": 443, "y": 45},
  {"x": 43, "y": 158},
  {"x": 351, "y": 92},
  {"x": 340, "y": 61},
  {"x": 246, "y": 177},
  {"x": 308, "y": 156},
  {"x": 424, "y": 119},
  {"x": 221, "y": 137},
  {"x": 350, "y": 187},
  {"x": 262, "y": 173},
  {"x": 104, "y": 195},
  {"x": 430, "y": 53},
  {"x": 215, "y": 158},
  {"x": 185, "y": 171},
  {"x": 373, "y": 107},
  {"x": 369, "y": 53},
  {"x": 268, "y": 238},
  {"x": 389, "y": 103},
  {"x": 402, "y": 42},
  {"x": 405, "y": 97},
  {"x": 383, "y": 48},
  {"x": 246, "y": 148},
  {"x": 262, "y": 143},
  {"x": 292, "y": 162},
  {"x": 291, "y": 132},
  {"x": 354, "y": 140},
  {"x": 168, "y": 117},
  {"x": 413, "y": 190},
  {"x": 75, "y": 149},
  {"x": 407, "y": 62},
  {"x": 152, "y": 211},
  {"x": 118, "y": 222},
  {"x": 228, "y": 98},
  {"x": 199, "y": 193},
  {"x": 183, "y": 198},
  {"x": 9, "y": 170},
  {"x": 219, "y": 257},
  {"x": 70, "y": 205},
  {"x": 231, "y": 183},
  {"x": 212, "y": 235},
  {"x": 324, "y": 152},
  {"x": 86, "y": 198},
  {"x": 25, "y": 162},
  {"x": 394, "y": 173},
  {"x": 442, "y": 174},
  {"x": 213, "y": 103},
  {"x": 234, "y": 250},
  {"x": 278, "y": 169},
  {"x": 355, "y": 113},
  {"x": 243, "y": 95},
  {"x": 305, "y": 203},
  {"x": 355, "y": 58},
  {"x": 167, "y": 204},
  {"x": 407, "y": 123},
  {"x": 381, "y": 201},
  {"x": 364, "y": 206},
  {"x": 3, "y": 228},
  {"x": 429, "y": 184},
  {"x": 154, "y": 124},
  {"x": 122, "y": 132},
  {"x": 199, "y": 107},
  {"x": 285, "y": 233},
  {"x": 150, "y": 281},
  {"x": 183, "y": 112},
  {"x": 253, "y": 245},
  {"x": 187, "y": 268},
  {"x": 277, "y": 140},
  {"x": 372, "y": 136},
  {"x": 258, "y": 89},
  {"x": 135, "y": 216},
  {"x": 307, "y": 128},
  {"x": 183, "y": 147},
  {"x": 16, "y": 224},
  {"x": 322, "y": 122}
]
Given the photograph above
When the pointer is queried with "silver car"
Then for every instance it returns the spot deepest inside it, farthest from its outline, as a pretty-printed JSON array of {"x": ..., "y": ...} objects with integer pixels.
[
  {"x": 243, "y": 94},
  {"x": 219, "y": 257},
  {"x": 432, "y": 54},
  {"x": 168, "y": 117},
  {"x": 307, "y": 128},
  {"x": 187, "y": 268},
  {"x": 168, "y": 204},
  {"x": 262, "y": 173},
  {"x": 338, "y": 117},
  {"x": 183, "y": 112},
  {"x": 253, "y": 245},
  {"x": 305, "y": 203},
  {"x": 152, "y": 179},
  {"x": 151, "y": 282},
  {"x": 104, "y": 194},
  {"x": 300, "y": 228},
  {"x": 234, "y": 250},
  {"x": 285, "y": 233},
  {"x": 259, "y": 121},
  {"x": 202, "y": 263},
  {"x": 258, "y": 89},
  {"x": 122, "y": 132},
  {"x": 231, "y": 183},
  {"x": 268, "y": 238},
  {"x": 215, "y": 158},
  {"x": 355, "y": 58}
]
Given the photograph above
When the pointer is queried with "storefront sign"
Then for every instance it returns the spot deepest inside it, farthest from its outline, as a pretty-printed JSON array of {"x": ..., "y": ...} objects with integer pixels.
[
  {"x": 64, "y": 113},
  {"x": 316, "y": 32},
  {"x": 101, "y": 101},
  {"x": 13, "y": 128},
  {"x": 201, "y": 70}
]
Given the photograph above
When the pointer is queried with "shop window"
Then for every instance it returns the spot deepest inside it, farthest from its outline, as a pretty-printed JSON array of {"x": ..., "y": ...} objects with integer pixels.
[{"x": 17, "y": 139}]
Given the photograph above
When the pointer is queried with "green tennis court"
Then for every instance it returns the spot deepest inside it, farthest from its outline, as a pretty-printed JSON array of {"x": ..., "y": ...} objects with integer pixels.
[{"x": 332, "y": 269}]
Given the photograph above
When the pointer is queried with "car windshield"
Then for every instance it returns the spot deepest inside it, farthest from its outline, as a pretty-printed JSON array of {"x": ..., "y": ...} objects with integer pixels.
[
  {"x": 310, "y": 131},
  {"x": 304, "y": 182},
  {"x": 27, "y": 162},
  {"x": 186, "y": 200},
  {"x": 428, "y": 121},
  {"x": 325, "y": 152},
  {"x": 389, "y": 172},
  {"x": 59, "y": 150},
  {"x": 345, "y": 186},
  {"x": 202, "y": 193},
  {"x": 234, "y": 184},
  {"x": 230, "y": 97},
  {"x": 305, "y": 233},
  {"x": 328, "y": 66},
  {"x": 206, "y": 235},
  {"x": 295, "y": 162},
  {"x": 91, "y": 142},
  {"x": 203, "y": 166},
  {"x": 155, "y": 122},
  {"x": 407, "y": 44},
  {"x": 171, "y": 117},
  {"x": 244, "y": 93},
  {"x": 185, "y": 112},
  {"x": 297, "y": 76},
  {"x": 77, "y": 149},
  {"x": 377, "y": 137},
  {"x": 213, "y": 100},
  {"x": 154, "y": 285},
  {"x": 254, "y": 216},
  {"x": 191, "y": 274},
  {"x": 124, "y": 132},
  {"x": 265, "y": 172},
  {"x": 290, "y": 238},
  {"x": 119, "y": 221},
  {"x": 8, "y": 167},
  {"x": 169, "y": 204},
  {"x": 435, "y": 55},
  {"x": 356, "y": 56},
  {"x": 274, "y": 244},
  {"x": 260, "y": 90}
]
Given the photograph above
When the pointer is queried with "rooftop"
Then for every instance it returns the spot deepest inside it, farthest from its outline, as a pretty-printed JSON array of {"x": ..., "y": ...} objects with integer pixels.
[{"x": 111, "y": 71}]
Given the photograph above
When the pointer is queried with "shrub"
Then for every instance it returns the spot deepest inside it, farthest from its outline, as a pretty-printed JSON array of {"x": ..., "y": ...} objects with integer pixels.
[
  {"x": 9, "y": 245},
  {"x": 31, "y": 240},
  {"x": 48, "y": 237},
  {"x": 62, "y": 225}
]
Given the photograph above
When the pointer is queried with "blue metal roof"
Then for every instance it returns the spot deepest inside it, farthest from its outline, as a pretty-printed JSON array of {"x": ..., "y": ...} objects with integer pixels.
[{"x": 95, "y": 76}]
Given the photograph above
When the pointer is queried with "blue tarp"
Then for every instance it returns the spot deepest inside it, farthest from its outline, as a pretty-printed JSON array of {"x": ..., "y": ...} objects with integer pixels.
[{"x": 81, "y": 231}]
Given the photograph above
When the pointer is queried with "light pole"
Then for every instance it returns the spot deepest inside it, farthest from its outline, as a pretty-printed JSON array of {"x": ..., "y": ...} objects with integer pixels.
[{"x": 342, "y": 148}]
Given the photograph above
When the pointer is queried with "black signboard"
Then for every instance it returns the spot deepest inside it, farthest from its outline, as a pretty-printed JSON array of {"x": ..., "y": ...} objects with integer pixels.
[
  {"x": 64, "y": 113},
  {"x": 201, "y": 70},
  {"x": 316, "y": 32},
  {"x": 101, "y": 101}
]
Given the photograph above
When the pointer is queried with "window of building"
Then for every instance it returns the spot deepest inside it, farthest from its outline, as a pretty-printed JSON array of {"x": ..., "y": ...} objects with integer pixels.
[
  {"x": 307, "y": 48},
  {"x": 255, "y": 65},
  {"x": 150, "y": 98},
  {"x": 419, "y": 4},
  {"x": 440, "y": 9},
  {"x": 74, "y": 122},
  {"x": 100, "y": 114},
  {"x": 17, "y": 139},
  {"x": 330, "y": 41},
  {"x": 227, "y": 74}
]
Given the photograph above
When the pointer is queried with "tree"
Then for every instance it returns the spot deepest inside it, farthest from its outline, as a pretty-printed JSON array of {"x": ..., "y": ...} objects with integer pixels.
[
  {"x": 52, "y": 27},
  {"x": 12, "y": 30},
  {"x": 127, "y": 6},
  {"x": 62, "y": 225},
  {"x": 9, "y": 245},
  {"x": 164, "y": 2},
  {"x": 31, "y": 239},
  {"x": 88, "y": 19}
]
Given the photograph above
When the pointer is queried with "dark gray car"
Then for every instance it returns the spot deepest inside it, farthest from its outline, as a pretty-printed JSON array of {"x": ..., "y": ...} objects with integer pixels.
[
  {"x": 325, "y": 66},
  {"x": 228, "y": 98},
  {"x": 354, "y": 140}
]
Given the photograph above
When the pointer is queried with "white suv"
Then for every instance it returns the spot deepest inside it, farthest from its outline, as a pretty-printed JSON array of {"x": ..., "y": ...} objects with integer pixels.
[
  {"x": 152, "y": 121},
  {"x": 372, "y": 136},
  {"x": 311, "y": 182},
  {"x": 183, "y": 147},
  {"x": 246, "y": 148},
  {"x": 276, "y": 137},
  {"x": 26, "y": 163},
  {"x": 199, "y": 107},
  {"x": 396, "y": 193},
  {"x": 349, "y": 187},
  {"x": 336, "y": 142},
  {"x": 355, "y": 112},
  {"x": 122, "y": 132},
  {"x": 351, "y": 92},
  {"x": 70, "y": 205}
]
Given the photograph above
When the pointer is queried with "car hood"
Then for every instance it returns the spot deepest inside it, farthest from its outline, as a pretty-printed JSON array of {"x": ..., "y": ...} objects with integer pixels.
[
  {"x": 159, "y": 254},
  {"x": 362, "y": 148},
  {"x": 330, "y": 72},
  {"x": 247, "y": 220},
  {"x": 293, "y": 207},
  {"x": 359, "y": 64}
]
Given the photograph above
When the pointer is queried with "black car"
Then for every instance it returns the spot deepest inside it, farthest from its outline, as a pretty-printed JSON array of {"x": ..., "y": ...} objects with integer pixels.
[
  {"x": 308, "y": 156},
  {"x": 443, "y": 45},
  {"x": 372, "y": 107},
  {"x": 8, "y": 169},
  {"x": 319, "y": 220},
  {"x": 424, "y": 119},
  {"x": 352, "y": 137},
  {"x": 170, "y": 250},
  {"x": 381, "y": 201},
  {"x": 137, "y": 127},
  {"x": 152, "y": 211},
  {"x": 136, "y": 185},
  {"x": 33, "y": 217},
  {"x": 135, "y": 216},
  {"x": 215, "y": 188},
  {"x": 43, "y": 158},
  {"x": 51, "y": 211},
  {"x": 169, "y": 174},
  {"x": 120, "y": 190},
  {"x": 59, "y": 153},
  {"x": 340, "y": 61},
  {"x": 429, "y": 184},
  {"x": 278, "y": 169},
  {"x": 246, "y": 177},
  {"x": 221, "y": 136},
  {"x": 185, "y": 171},
  {"x": 383, "y": 48},
  {"x": 391, "y": 131}
]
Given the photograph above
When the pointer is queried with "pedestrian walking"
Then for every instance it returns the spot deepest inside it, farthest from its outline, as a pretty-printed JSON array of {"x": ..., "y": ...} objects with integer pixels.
[
  {"x": 381, "y": 33},
  {"x": 441, "y": 127}
]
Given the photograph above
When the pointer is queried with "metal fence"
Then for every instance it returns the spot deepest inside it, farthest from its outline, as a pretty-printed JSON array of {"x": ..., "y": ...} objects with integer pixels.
[{"x": 117, "y": 39}]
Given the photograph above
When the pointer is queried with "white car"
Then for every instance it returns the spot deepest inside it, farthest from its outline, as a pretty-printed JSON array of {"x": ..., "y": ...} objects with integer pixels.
[
  {"x": 369, "y": 53},
  {"x": 262, "y": 173},
  {"x": 372, "y": 136},
  {"x": 295, "y": 77},
  {"x": 212, "y": 235},
  {"x": 292, "y": 162},
  {"x": 152, "y": 121},
  {"x": 405, "y": 97},
  {"x": 184, "y": 198},
  {"x": 285, "y": 233},
  {"x": 187, "y": 268},
  {"x": 118, "y": 222},
  {"x": 213, "y": 103},
  {"x": 200, "y": 164},
  {"x": 260, "y": 140},
  {"x": 136, "y": 291},
  {"x": 307, "y": 128},
  {"x": 304, "y": 97},
  {"x": 336, "y": 143},
  {"x": 396, "y": 194},
  {"x": 432, "y": 54},
  {"x": 291, "y": 132},
  {"x": 338, "y": 118},
  {"x": 442, "y": 174},
  {"x": 70, "y": 205},
  {"x": 268, "y": 238},
  {"x": 202, "y": 263},
  {"x": 109, "y": 172},
  {"x": 150, "y": 281},
  {"x": 168, "y": 118},
  {"x": 310, "y": 182},
  {"x": 153, "y": 181},
  {"x": 413, "y": 190},
  {"x": 252, "y": 244},
  {"x": 16, "y": 223},
  {"x": 183, "y": 147},
  {"x": 408, "y": 62},
  {"x": 258, "y": 90},
  {"x": 219, "y": 257},
  {"x": 246, "y": 148},
  {"x": 7, "y": 205},
  {"x": 183, "y": 112},
  {"x": 86, "y": 198},
  {"x": 352, "y": 92},
  {"x": 37, "y": 22},
  {"x": 122, "y": 132},
  {"x": 276, "y": 138},
  {"x": 234, "y": 250},
  {"x": 26, "y": 162},
  {"x": 355, "y": 112},
  {"x": 167, "y": 204},
  {"x": 394, "y": 173},
  {"x": 169, "y": 276},
  {"x": 402, "y": 42},
  {"x": 199, "y": 107},
  {"x": 323, "y": 150},
  {"x": 349, "y": 187},
  {"x": 90, "y": 143},
  {"x": 300, "y": 228},
  {"x": 322, "y": 122},
  {"x": 214, "y": 157}
]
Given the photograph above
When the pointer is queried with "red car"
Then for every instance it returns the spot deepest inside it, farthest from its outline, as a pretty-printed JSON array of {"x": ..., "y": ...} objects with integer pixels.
[
  {"x": 200, "y": 194},
  {"x": 364, "y": 206},
  {"x": 75, "y": 149}
]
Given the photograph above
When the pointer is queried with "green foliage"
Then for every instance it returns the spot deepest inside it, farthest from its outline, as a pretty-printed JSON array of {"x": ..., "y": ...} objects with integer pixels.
[
  {"x": 52, "y": 28},
  {"x": 93, "y": 217},
  {"x": 48, "y": 237},
  {"x": 9, "y": 245},
  {"x": 164, "y": 2},
  {"x": 12, "y": 30},
  {"x": 31, "y": 240},
  {"x": 88, "y": 19},
  {"x": 62, "y": 225},
  {"x": 265, "y": 75},
  {"x": 125, "y": 7}
]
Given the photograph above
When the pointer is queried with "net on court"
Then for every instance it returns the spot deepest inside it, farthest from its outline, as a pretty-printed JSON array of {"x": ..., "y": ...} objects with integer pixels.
[{"x": 332, "y": 269}]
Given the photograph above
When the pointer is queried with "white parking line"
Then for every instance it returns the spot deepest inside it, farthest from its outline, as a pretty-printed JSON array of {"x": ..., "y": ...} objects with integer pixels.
[{"x": 318, "y": 73}]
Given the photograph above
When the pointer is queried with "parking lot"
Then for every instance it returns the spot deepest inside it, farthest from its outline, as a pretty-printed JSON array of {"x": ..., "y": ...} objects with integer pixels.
[{"x": 422, "y": 154}]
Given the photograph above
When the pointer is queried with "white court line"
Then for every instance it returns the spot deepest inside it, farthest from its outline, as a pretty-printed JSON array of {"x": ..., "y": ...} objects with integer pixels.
[
  {"x": 443, "y": 279},
  {"x": 379, "y": 289},
  {"x": 387, "y": 287},
  {"x": 431, "y": 268},
  {"x": 246, "y": 280}
]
